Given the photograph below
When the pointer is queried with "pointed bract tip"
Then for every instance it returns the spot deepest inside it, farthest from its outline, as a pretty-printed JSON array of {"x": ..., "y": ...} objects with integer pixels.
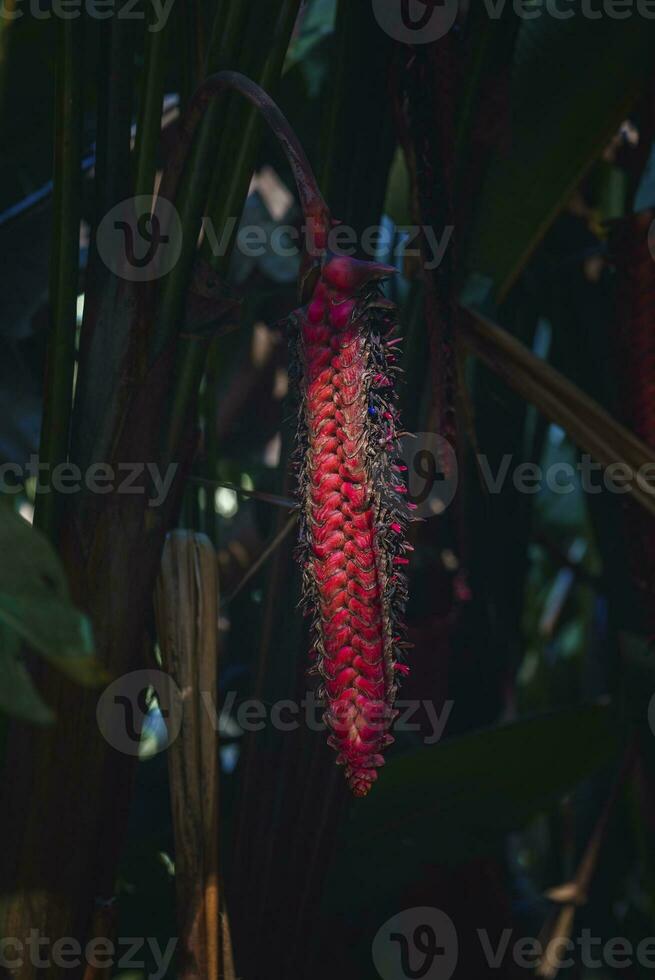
[{"x": 346, "y": 273}]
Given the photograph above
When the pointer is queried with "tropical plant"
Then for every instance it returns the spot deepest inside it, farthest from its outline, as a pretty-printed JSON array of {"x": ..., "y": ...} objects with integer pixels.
[{"x": 190, "y": 425}]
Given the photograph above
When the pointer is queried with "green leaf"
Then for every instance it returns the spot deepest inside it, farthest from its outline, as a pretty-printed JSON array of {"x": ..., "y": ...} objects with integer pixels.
[
  {"x": 456, "y": 801},
  {"x": 18, "y": 696},
  {"x": 58, "y": 631},
  {"x": 458, "y": 798},
  {"x": 35, "y": 603},
  {"x": 573, "y": 82},
  {"x": 317, "y": 24},
  {"x": 398, "y": 204},
  {"x": 30, "y": 564}
]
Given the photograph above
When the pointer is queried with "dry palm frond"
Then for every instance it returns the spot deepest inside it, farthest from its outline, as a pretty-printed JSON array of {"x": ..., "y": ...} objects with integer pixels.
[
  {"x": 186, "y": 606},
  {"x": 556, "y": 934}
]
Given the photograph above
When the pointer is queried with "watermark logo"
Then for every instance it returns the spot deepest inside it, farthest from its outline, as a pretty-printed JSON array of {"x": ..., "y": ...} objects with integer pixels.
[
  {"x": 127, "y": 704},
  {"x": 156, "y": 12},
  {"x": 137, "y": 243},
  {"x": 423, "y": 21},
  {"x": 417, "y": 944},
  {"x": 124, "y": 706},
  {"x": 431, "y": 475},
  {"x": 141, "y": 479},
  {"x": 428, "y": 465},
  {"x": 422, "y": 943},
  {"x": 143, "y": 956},
  {"x": 416, "y": 21}
]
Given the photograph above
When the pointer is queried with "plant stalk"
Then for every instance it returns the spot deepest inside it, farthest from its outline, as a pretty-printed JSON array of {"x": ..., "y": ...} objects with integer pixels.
[
  {"x": 149, "y": 123},
  {"x": 64, "y": 271}
]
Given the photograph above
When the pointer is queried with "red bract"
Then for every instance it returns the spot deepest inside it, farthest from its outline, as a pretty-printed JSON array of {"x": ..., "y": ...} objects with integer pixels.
[{"x": 352, "y": 515}]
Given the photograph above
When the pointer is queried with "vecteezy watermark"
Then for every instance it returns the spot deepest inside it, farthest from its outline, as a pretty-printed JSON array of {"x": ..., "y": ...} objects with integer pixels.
[
  {"x": 98, "y": 478},
  {"x": 43, "y": 953},
  {"x": 156, "y": 12},
  {"x": 137, "y": 243},
  {"x": 431, "y": 475},
  {"x": 592, "y": 952},
  {"x": 416, "y": 21},
  {"x": 140, "y": 244},
  {"x": 289, "y": 716},
  {"x": 286, "y": 241},
  {"x": 425, "y": 21},
  {"x": 423, "y": 942},
  {"x": 419, "y": 942},
  {"x": 125, "y": 704},
  {"x": 564, "y": 478},
  {"x": 567, "y": 9}
]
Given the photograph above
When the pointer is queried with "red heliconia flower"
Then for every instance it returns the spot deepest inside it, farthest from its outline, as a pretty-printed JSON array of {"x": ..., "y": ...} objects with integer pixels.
[{"x": 353, "y": 516}]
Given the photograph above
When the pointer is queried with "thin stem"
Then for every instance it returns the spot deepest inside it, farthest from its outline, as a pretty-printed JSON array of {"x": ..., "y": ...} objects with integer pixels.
[
  {"x": 316, "y": 215},
  {"x": 64, "y": 274},
  {"x": 312, "y": 202},
  {"x": 311, "y": 199},
  {"x": 227, "y": 28},
  {"x": 263, "y": 558},
  {"x": 267, "y": 498},
  {"x": 195, "y": 156},
  {"x": 190, "y": 194},
  {"x": 149, "y": 124},
  {"x": 241, "y": 123},
  {"x": 563, "y": 927}
]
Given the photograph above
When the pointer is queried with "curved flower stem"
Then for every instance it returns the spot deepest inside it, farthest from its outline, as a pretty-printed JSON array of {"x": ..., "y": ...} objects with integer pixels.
[
  {"x": 311, "y": 199},
  {"x": 317, "y": 217},
  {"x": 314, "y": 207}
]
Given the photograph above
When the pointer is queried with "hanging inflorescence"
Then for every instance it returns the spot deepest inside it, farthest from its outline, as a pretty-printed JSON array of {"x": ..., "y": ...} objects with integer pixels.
[{"x": 353, "y": 548}]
